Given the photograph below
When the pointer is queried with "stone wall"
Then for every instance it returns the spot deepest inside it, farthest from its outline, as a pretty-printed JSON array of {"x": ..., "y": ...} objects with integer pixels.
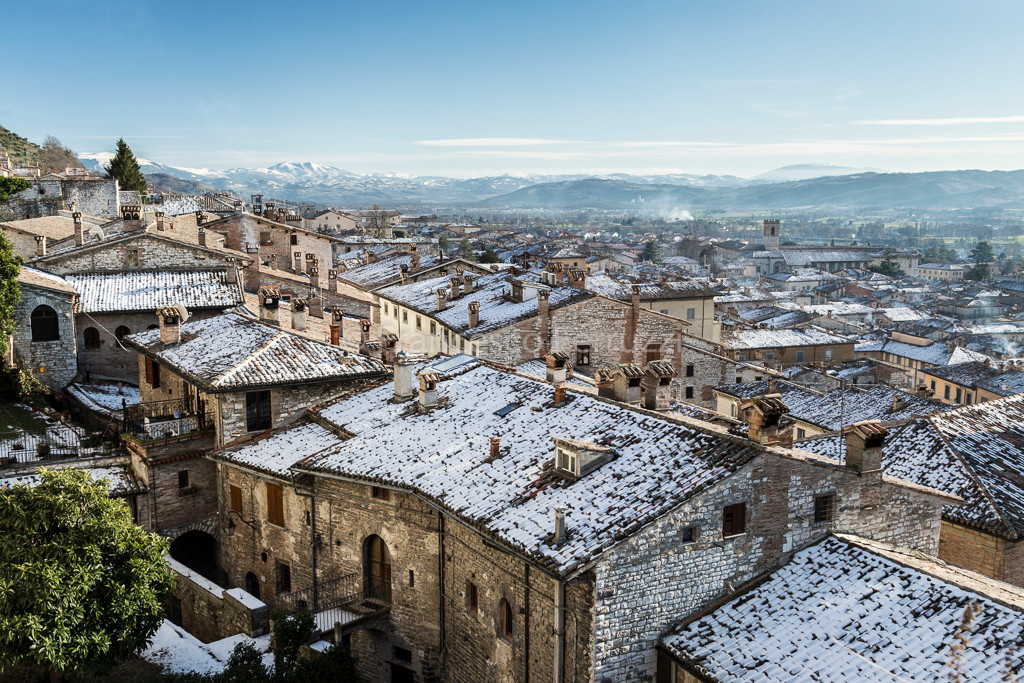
[
  {"x": 973, "y": 550},
  {"x": 275, "y": 240},
  {"x": 57, "y": 358},
  {"x": 287, "y": 404},
  {"x": 210, "y": 612},
  {"x": 1013, "y": 563},
  {"x": 154, "y": 254}
]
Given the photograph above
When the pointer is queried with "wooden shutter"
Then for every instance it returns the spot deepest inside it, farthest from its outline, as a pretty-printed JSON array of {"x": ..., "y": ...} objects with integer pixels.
[
  {"x": 156, "y": 375},
  {"x": 236, "y": 499},
  {"x": 275, "y": 504},
  {"x": 149, "y": 371},
  {"x": 734, "y": 519}
]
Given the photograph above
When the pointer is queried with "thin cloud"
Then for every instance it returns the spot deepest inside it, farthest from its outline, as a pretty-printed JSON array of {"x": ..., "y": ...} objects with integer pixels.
[
  {"x": 963, "y": 121},
  {"x": 491, "y": 142}
]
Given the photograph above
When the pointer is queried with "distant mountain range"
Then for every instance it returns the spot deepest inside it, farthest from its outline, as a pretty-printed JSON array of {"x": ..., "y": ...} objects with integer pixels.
[{"x": 803, "y": 186}]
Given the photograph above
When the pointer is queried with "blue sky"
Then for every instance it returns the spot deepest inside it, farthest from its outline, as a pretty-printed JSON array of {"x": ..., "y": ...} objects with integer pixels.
[{"x": 473, "y": 88}]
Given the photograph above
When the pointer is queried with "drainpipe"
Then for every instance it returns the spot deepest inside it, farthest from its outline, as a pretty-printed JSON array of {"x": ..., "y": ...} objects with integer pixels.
[
  {"x": 312, "y": 538},
  {"x": 440, "y": 588},
  {"x": 559, "y": 632}
]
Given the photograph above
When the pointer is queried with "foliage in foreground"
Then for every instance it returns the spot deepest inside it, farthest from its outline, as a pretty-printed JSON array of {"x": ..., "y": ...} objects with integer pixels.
[
  {"x": 245, "y": 665},
  {"x": 81, "y": 586}
]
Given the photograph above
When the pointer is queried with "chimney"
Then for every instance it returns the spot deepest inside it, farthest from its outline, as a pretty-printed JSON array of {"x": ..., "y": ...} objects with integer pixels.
[
  {"x": 335, "y": 334},
  {"x": 578, "y": 278},
  {"x": 762, "y": 415},
  {"x": 202, "y": 237},
  {"x": 605, "y": 383},
  {"x": 468, "y": 283},
  {"x": 442, "y": 299},
  {"x": 231, "y": 272},
  {"x": 559, "y": 395},
  {"x": 79, "y": 229},
  {"x": 364, "y": 332},
  {"x": 314, "y": 277},
  {"x": 559, "y": 536},
  {"x": 495, "y": 447},
  {"x": 627, "y": 381},
  {"x": 40, "y": 245},
  {"x": 456, "y": 285},
  {"x": 556, "y": 369},
  {"x": 634, "y": 299},
  {"x": 332, "y": 280},
  {"x": 864, "y": 443},
  {"x": 898, "y": 402},
  {"x": 298, "y": 314},
  {"x": 545, "y": 319},
  {"x": 428, "y": 389},
  {"x": 160, "y": 221},
  {"x": 272, "y": 261},
  {"x": 316, "y": 305},
  {"x": 297, "y": 261},
  {"x": 270, "y": 300},
  {"x": 170, "y": 324},
  {"x": 403, "y": 377},
  {"x": 251, "y": 277},
  {"x": 924, "y": 392},
  {"x": 658, "y": 384},
  {"x": 337, "y": 320},
  {"x": 200, "y": 218},
  {"x": 414, "y": 262},
  {"x": 474, "y": 313}
]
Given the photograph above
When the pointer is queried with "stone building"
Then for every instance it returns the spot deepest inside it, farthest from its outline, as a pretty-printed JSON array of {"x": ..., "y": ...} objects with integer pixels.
[
  {"x": 49, "y": 194},
  {"x": 44, "y": 339},
  {"x": 782, "y": 348},
  {"x": 914, "y": 355},
  {"x": 292, "y": 247},
  {"x": 482, "y": 526},
  {"x": 56, "y": 231},
  {"x": 689, "y": 300}
]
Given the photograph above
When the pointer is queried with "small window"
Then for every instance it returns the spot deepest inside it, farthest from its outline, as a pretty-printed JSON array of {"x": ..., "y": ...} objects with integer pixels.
[
  {"x": 236, "y": 498},
  {"x": 689, "y": 392},
  {"x": 412, "y": 579},
  {"x": 824, "y": 508},
  {"x": 945, "y": 392},
  {"x": 265, "y": 237},
  {"x": 257, "y": 410},
  {"x": 959, "y": 394},
  {"x": 380, "y": 493},
  {"x": 396, "y": 313},
  {"x": 121, "y": 332},
  {"x": 969, "y": 399},
  {"x": 583, "y": 354},
  {"x": 284, "y": 578},
  {"x": 800, "y": 356},
  {"x": 183, "y": 479},
  {"x": 92, "y": 338},
  {"x": 473, "y": 351},
  {"x": 828, "y": 353},
  {"x": 769, "y": 355},
  {"x": 402, "y": 654},
  {"x": 933, "y": 386},
  {"x": 689, "y": 371},
  {"x": 691, "y": 313},
  {"x": 152, "y": 373},
  {"x": 275, "y": 504},
  {"x": 294, "y": 239},
  {"x": 131, "y": 258},
  {"x": 433, "y": 327},
  {"x": 664, "y": 311},
  {"x": 734, "y": 520},
  {"x": 45, "y": 324},
  {"x": 689, "y": 534},
  {"x": 462, "y": 344},
  {"x": 506, "y": 618},
  {"x": 405, "y": 316},
  {"x": 741, "y": 356},
  {"x": 385, "y": 309},
  {"x": 472, "y": 598},
  {"x": 419, "y": 323},
  {"x": 653, "y": 352},
  {"x": 801, "y": 432}
]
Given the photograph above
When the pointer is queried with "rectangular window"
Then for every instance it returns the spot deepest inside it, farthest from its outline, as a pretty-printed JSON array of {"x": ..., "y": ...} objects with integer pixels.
[
  {"x": 236, "y": 498},
  {"x": 741, "y": 356},
  {"x": 402, "y": 654},
  {"x": 689, "y": 371},
  {"x": 152, "y": 373},
  {"x": 969, "y": 401},
  {"x": 769, "y": 355},
  {"x": 734, "y": 519},
  {"x": 412, "y": 579},
  {"x": 379, "y": 493},
  {"x": 824, "y": 508},
  {"x": 959, "y": 394},
  {"x": 462, "y": 344},
  {"x": 265, "y": 237},
  {"x": 690, "y": 534},
  {"x": 653, "y": 352},
  {"x": 385, "y": 309},
  {"x": 933, "y": 386},
  {"x": 583, "y": 354},
  {"x": 396, "y": 312},
  {"x": 691, "y": 313},
  {"x": 474, "y": 350},
  {"x": 472, "y": 599},
  {"x": 689, "y": 392},
  {"x": 828, "y": 353},
  {"x": 800, "y": 356},
  {"x": 182, "y": 479},
  {"x": 284, "y": 578},
  {"x": 433, "y": 327},
  {"x": 945, "y": 392},
  {"x": 294, "y": 239},
  {"x": 132, "y": 258},
  {"x": 801, "y": 432},
  {"x": 405, "y": 316},
  {"x": 275, "y": 504},
  {"x": 419, "y": 323},
  {"x": 257, "y": 410}
]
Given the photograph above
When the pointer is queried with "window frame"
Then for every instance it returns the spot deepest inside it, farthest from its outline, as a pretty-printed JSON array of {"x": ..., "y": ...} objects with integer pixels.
[
  {"x": 256, "y": 420},
  {"x": 235, "y": 498},
  {"x": 734, "y": 520},
  {"x": 824, "y": 508},
  {"x": 50, "y": 329},
  {"x": 275, "y": 504},
  {"x": 583, "y": 354}
]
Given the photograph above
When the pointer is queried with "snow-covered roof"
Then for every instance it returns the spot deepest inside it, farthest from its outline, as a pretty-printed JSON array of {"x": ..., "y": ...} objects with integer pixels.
[
  {"x": 497, "y": 308},
  {"x": 806, "y": 257},
  {"x": 902, "y": 314},
  {"x": 932, "y": 354},
  {"x": 847, "y": 609},
  {"x": 775, "y": 339},
  {"x": 148, "y": 290},
  {"x": 383, "y": 271},
  {"x": 119, "y": 478},
  {"x": 608, "y": 286},
  {"x": 105, "y": 398},
  {"x": 998, "y": 377},
  {"x": 232, "y": 351},
  {"x": 32, "y": 277},
  {"x": 444, "y": 456}
]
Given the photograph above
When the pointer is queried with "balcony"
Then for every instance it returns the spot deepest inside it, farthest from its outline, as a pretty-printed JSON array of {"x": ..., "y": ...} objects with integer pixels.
[
  {"x": 343, "y": 602},
  {"x": 167, "y": 420}
]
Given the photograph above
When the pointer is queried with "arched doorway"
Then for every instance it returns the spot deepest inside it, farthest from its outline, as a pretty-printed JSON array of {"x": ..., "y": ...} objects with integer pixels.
[
  {"x": 197, "y": 550},
  {"x": 376, "y": 569},
  {"x": 252, "y": 585}
]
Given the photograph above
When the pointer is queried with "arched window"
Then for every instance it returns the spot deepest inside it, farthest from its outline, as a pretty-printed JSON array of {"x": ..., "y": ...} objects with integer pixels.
[
  {"x": 45, "y": 325},
  {"x": 122, "y": 331},
  {"x": 505, "y": 619},
  {"x": 376, "y": 569},
  {"x": 153, "y": 327},
  {"x": 92, "y": 338}
]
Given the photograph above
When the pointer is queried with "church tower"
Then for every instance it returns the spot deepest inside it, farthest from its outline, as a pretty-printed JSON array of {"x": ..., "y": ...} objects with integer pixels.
[{"x": 771, "y": 235}]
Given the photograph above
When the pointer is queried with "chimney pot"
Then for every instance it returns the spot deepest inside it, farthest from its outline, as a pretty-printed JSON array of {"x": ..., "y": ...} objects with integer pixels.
[
  {"x": 559, "y": 395},
  {"x": 170, "y": 324},
  {"x": 495, "y": 446},
  {"x": 559, "y": 535},
  {"x": 335, "y": 334},
  {"x": 428, "y": 389},
  {"x": 474, "y": 313},
  {"x": 403, "y": 377},
  {"x": 40, "y": 245},
  {"x": 270, "y": 299},
  {"x": 202, "y": 237},
  {"x": 79, "y": 228},
  {"x": 160, "y": 221}
]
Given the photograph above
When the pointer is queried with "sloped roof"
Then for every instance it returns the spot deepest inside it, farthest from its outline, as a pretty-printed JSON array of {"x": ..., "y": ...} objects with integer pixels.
[
  {"x": 933, "y": 354},
  {"x": 848, "y": 609},
  {"x": 232, "y": 351},
  {"x": 39, "y": 278},
  {"x": 119, "y": 478},
  {"x": 444, "y": 456},
  {"x": 384, "y": 270},
  {"x": 781, "y": 338},
  {"x": 649, "y": 291},
  {"x": 139, "y": 290},
  {"x": 999, "y": 378}
]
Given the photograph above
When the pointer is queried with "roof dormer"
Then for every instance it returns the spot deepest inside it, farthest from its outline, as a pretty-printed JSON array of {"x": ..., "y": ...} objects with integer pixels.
[{"x": 576, "y": 459}]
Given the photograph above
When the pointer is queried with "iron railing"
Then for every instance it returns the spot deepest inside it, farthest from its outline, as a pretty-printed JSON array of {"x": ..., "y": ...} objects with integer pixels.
[
  {"x": 343, "y": 601},
  {"x": 57, "y": 442},
  {"x": 166, "y": 419}
]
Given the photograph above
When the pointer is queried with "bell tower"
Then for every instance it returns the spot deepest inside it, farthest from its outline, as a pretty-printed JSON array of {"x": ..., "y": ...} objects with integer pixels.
[{"x": 771, "y": 235}]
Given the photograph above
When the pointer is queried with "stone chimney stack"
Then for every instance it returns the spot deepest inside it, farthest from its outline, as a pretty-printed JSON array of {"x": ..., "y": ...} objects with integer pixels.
[
  {"x": 202, "y": 237},
  {"x": 364, "y": 332},
  {"x": 864, "y": 443},
  {"x": 252, "y": 270},
  {"x": 456, "y": 285},
  {"x": 170, "y": 324},
  {"x": 332, "y": 280},
  {"x": 628, "y": 382},
  {"x": 270, "y": 301},
  {"x": 314, "y": 277},
  {"x": 556, "y": 364},
  {"x": 403, "y": 378},
  {"x": 578, "y": 278},
  {"x": 297, "y": 261},
  {"x": 40, "y": 245},
  {"x": 79, "y": 228},
  {"x": 231, "y": 272},
  {"x": 474, "y": 313},
  {"x": 272, "y": 261},
  {"x": 428, "y": 389},
  {"x": 495, "y": 447},
  {"x": 605, "y": 383},
  {"x": 442, "y": 300},
  {"x": 634, "y": 299},
  {"x": 468, "y": 283},
  {"x": 544, "y": 319},
  {"x": 763, "y": 415},
  {"x": 316, "y": 305},
  {"x": 200, "y": 218},
  {"x": 559, "y": 536},
  {"x": 298, "y": 315},
  {"x": 657, "y": 385},
  {"x": 160, "y": 221},
  {"x": 414, "y": 262}
]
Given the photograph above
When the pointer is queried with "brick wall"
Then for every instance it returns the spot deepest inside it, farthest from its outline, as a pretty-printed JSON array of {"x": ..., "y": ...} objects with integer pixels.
[
  {"x": 57, "y": 358},
  {"x": 974, "y": 550}
]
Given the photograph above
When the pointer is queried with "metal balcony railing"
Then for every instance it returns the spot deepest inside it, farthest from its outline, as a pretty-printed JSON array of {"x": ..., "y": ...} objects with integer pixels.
[
  {"x": 345, "y": 601},
  {"x": 167, "y": 419}
]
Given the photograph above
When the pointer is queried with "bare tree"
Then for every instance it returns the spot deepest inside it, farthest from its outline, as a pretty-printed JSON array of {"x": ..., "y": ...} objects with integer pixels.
[{"x": 54, "y": 157}]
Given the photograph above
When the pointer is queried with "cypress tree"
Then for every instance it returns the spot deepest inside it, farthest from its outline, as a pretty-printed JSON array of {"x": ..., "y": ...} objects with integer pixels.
[{"x": 124, "y": 168}]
